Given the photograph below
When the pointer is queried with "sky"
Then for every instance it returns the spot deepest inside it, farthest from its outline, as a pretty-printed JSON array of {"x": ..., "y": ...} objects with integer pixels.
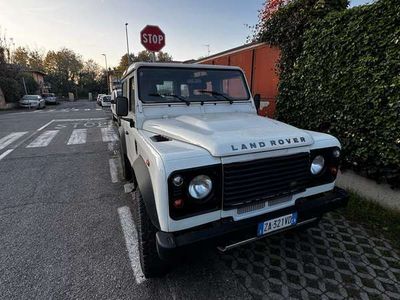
[{"x": 93, "y": 27}]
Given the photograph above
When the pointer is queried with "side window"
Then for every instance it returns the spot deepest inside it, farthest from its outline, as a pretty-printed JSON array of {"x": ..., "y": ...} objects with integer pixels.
[
  {"x": 132, "y": 94},
  {"x": 124, "y": 90}
]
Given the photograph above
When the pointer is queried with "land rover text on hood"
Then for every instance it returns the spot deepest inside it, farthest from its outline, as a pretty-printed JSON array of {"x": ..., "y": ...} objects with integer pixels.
[{"x": 207, "y": 168}]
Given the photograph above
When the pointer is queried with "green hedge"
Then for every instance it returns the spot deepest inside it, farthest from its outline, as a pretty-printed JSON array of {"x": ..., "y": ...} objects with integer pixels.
[{"x": 345, "y": 80}]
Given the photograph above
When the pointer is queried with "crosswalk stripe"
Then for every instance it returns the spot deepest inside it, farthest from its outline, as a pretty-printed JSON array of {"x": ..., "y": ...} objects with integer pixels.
[
  {"x": 108, "y": 135},
  {"x": 44, "y": 139},
  {"x": 9, "y": 139},
  {"x": 98, "y": 109},
  {"x": 78, "y": 136},
  {"x": 87, "y": 109},
  {"x": 6, "y": 153}
]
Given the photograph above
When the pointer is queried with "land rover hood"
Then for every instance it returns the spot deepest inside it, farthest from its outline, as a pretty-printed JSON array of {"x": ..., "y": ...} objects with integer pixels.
[{"x": 224, "y": 134}]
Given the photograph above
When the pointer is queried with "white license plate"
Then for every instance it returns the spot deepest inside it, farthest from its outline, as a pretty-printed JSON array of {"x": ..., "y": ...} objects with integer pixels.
[{"x": 276, "y": 224}]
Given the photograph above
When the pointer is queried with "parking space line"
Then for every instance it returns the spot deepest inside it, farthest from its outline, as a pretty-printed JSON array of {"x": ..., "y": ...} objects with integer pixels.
[
  {"x": 108, "y": 135},
  {"x": 45, "y": 125},
  {"x": 44, "y": 139},
  {"x": 113, "y": 170},
  {"x": 11, "y": 138},
  {"x": 78, "y": 136},
  {"x": 128, "y": 228},
  {"x": 6, "y": 153}
]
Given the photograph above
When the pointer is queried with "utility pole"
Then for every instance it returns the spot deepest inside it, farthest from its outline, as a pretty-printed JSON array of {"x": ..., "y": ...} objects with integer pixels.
[
  {"x": 108, "y": 85},
  {"x": 127, "y": 43}
]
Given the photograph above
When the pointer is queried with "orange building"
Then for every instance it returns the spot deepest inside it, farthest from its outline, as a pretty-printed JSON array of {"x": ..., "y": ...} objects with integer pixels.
[{"x": 258, "y": 61}]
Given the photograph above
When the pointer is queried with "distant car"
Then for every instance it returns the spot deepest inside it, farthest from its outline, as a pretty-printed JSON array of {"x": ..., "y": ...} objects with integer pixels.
[
  {"x": 32, "y": 101},
  {"x": 99, "y": 98},
  {"x": 115, "y": 93},
  {"x": 50, "y": 98},
  {"x": 105, "y": 101}
]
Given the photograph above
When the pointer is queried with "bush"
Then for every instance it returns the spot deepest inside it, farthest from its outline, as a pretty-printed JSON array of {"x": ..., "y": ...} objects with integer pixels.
[
  {"x": 10, "y": 88},
  {"x": 345, "y": 80}
]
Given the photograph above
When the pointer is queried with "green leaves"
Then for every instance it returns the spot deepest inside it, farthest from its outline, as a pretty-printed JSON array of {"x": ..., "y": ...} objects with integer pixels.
[{"x": 340, "y": 73}]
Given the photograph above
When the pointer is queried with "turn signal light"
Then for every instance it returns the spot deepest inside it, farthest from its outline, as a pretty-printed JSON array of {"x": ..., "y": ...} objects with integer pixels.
[
  {"x": 333, "y": 170},
  {"x": 178, "y": 203}
]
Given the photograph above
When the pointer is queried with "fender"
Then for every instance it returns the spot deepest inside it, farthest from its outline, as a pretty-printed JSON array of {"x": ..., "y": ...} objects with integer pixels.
[{"x": 145, "y": 185}]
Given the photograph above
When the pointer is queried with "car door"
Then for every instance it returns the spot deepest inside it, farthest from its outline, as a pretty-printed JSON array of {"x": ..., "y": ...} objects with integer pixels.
[{"x": 129, "y": 122}]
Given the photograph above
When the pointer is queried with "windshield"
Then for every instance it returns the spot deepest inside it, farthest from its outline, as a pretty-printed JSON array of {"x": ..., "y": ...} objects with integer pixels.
[
  {"x": 158, "y": 84},
  {"x": 107, "y": 98},
  {"x": 30, "y": 97}
]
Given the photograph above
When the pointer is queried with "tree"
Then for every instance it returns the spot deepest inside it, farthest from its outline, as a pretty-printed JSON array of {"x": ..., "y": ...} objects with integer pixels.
[
  {"x": 35, "y": 60},
  {"x": 163, "y": 57},
  {"x": 144, "y": 55},
  {"x": 21, "y": 57}
]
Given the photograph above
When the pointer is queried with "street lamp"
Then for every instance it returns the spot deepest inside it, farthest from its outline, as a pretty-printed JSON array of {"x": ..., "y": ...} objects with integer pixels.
[
  {"x": 127, "y": 43},
  {"x": 108, "y": 85}
]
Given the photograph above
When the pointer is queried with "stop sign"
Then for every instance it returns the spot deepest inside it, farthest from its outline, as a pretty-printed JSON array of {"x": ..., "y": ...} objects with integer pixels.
[{"x": 152, "y": 38}]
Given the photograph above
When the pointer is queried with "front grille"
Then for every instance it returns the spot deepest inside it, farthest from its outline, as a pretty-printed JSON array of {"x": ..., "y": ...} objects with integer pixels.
[{"x": 265, "y": 179}]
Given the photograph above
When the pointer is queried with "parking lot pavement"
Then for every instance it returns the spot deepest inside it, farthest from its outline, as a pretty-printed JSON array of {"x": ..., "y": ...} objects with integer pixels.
[
  {"x": 66, "y": 230},
  {"x": 336, "y": 260}
]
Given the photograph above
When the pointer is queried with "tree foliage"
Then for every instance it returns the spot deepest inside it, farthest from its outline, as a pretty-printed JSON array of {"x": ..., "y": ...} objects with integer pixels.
[
  {"x": 340, "y": 73},
  {"x": 145, "y": 56}
]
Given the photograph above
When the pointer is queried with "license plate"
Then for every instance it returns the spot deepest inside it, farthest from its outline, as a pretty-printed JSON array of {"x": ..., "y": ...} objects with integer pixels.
[{"x": 276, "y": 224}]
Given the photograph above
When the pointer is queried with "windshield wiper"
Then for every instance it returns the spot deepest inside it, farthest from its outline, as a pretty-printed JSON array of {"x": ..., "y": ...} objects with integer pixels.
[
  {"x": 214, "y": 93},
  {"x": 170, "y": 95}
]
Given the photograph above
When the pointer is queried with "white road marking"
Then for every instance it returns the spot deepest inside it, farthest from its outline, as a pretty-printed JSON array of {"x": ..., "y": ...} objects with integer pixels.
[
  {"x": 113, "y": 170},
  {"x": 98, "y": 109},
  {"x": 51, "y": 110},
  {"x": 78, "y": 136},
  {"x": 11, "y": 138},
  {"x": 87, "y": 109},
  {"x": 73, "y": 120},
  {"x": 6, "y": 153},
  {"x": 44, "y": 139},
  {"x": 128, "y": 228},
  {"x": 129, "y": 187},
  {"x": 108, "y": 135},
  {"x": 45, "y": 125}
]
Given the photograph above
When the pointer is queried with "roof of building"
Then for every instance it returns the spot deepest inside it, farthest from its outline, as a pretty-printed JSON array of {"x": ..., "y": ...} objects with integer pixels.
[{"x": 229, "y": 51}]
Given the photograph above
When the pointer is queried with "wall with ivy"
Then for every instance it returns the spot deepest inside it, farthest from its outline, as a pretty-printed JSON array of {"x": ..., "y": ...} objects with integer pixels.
[{"x": 343, "y": 77}]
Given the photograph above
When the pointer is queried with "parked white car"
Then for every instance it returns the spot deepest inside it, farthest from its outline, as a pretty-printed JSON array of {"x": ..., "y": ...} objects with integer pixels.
[
  {"x": 99, "y": 98},
  {"x": 206, "y": 167},
  {"x": 32, "y": 101},
  {"x": 105, "y": 101}
]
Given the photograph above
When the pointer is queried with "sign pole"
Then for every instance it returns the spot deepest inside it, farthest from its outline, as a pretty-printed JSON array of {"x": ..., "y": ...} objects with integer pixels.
[{"x": 153, "y": 56}]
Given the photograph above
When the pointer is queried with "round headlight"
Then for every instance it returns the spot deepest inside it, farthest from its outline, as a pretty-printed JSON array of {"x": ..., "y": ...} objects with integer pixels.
[
  {"x": 317, "y": 165},
  {"x": 200, "y": 187}
]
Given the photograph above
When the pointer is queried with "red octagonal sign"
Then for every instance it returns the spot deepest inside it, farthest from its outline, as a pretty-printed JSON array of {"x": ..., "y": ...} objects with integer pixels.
[{"x": 152, "y": 38}]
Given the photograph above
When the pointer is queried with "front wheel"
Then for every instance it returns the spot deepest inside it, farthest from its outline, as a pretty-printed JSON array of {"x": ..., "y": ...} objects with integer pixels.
[{"x": 152, "y": 265}]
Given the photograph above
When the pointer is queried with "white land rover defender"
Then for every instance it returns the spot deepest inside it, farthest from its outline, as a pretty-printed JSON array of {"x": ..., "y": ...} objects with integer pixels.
[{"x": 206, "y": 167}]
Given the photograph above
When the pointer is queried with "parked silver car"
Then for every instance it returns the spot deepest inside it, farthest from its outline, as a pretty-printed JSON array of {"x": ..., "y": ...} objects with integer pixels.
[
  {"x": 32, "y": 101},
  {"x": 50, "y": 98}
]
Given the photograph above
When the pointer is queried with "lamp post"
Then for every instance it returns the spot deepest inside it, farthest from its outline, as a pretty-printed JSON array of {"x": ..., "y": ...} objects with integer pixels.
[
  {"x": 127, "y": 43},
  {"x": 108, "y": 85}
]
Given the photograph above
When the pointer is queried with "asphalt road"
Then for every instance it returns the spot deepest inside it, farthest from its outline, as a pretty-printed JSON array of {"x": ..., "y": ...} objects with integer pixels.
[{"x": 66, "y": 230}]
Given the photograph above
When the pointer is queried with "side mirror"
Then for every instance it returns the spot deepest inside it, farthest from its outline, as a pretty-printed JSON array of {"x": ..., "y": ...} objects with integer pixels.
[
  {"x": 122, "y": 106},
  {"x": 257, "y": 99}
]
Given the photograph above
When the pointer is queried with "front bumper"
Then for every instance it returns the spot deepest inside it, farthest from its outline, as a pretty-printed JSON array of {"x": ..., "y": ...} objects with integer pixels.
[{"x": 228, "y": 232}]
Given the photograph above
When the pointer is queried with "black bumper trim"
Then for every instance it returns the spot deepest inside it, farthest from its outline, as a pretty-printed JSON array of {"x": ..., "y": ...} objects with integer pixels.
[{"x": 307, "y": 208}]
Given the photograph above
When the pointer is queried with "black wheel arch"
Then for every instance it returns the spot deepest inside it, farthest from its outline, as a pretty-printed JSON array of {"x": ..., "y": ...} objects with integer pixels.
[{"x": 143, "y": 180}]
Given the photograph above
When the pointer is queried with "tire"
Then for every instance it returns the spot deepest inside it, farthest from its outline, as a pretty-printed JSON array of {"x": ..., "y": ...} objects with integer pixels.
[{"x": 152, "y": 265}]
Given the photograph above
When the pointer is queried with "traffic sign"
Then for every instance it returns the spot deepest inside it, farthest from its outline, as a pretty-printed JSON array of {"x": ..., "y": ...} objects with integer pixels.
[{"x": 152, "y": 38}]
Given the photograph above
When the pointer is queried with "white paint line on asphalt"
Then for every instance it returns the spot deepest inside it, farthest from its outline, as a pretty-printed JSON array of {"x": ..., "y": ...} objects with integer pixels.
[
  {"x": 51, "y": 110},
  {"x": 76, "y": 120},
  {"x": 87, "y": 109},
  {"x": 11, "y": 138},
  {"x": 128, "y": 228},
  {"x": 113, "y": 170},
  {"x": 98, "y": 109},
  {"x": 5, "y": 153},
  {"x": 45, "y": 125},
  {"x": 108, "y": 135},
  {"x": 78, "y": 136},
  {"x": 44, "y": 139},
  {"x": 129, "y": 187}
]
